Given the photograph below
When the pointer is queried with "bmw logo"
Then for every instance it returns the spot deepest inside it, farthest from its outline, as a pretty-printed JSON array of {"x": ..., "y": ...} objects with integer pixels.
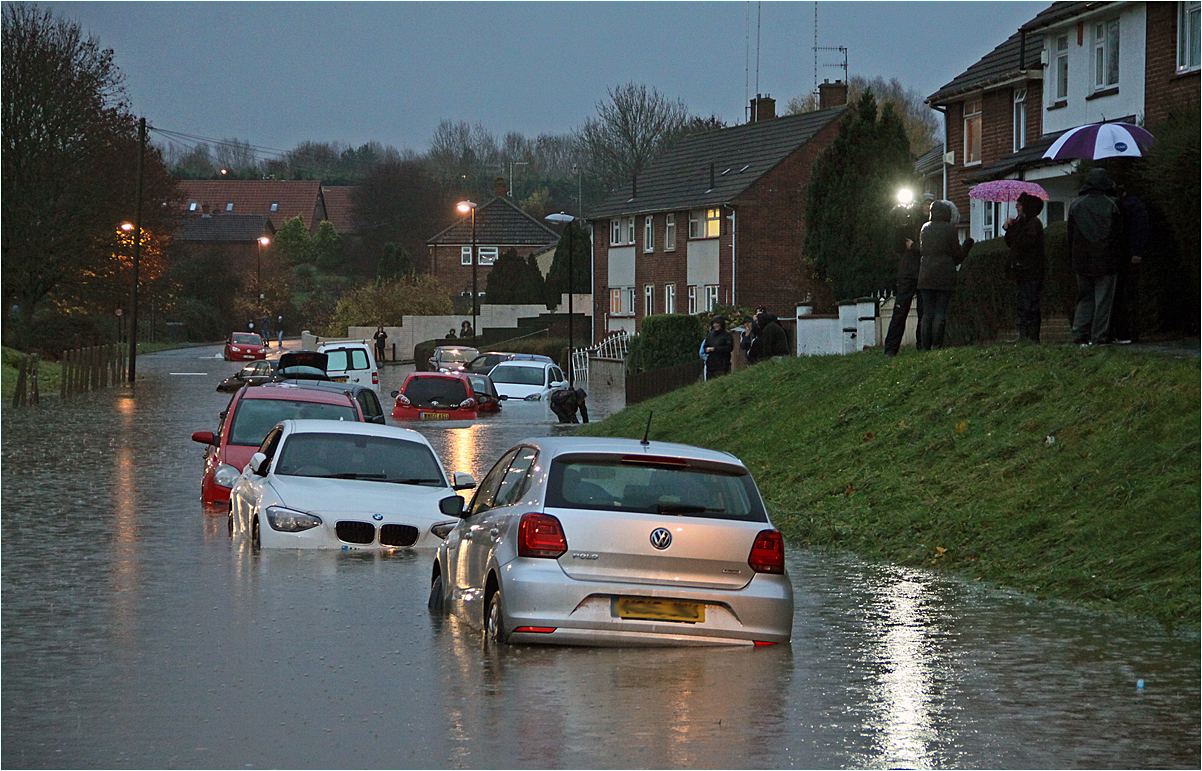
[
  {"x": 1120, "y": 146},
  {"x": 661, "y": 538},
  {"x": 377, "y": 517}
]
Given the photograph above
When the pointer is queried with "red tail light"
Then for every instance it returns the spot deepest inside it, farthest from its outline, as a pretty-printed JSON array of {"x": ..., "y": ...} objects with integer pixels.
[
  {"x": 402, "y": 400},
  {"x": 467, "y": 404},
  {"x": 375, "y": 377},
  {"x": 767, "y": 552},
  {"x": 541, "y": 535}
]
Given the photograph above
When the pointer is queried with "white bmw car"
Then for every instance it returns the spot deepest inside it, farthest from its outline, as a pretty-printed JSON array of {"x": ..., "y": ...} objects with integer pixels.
[
  {"x": 529, "y": 380},
  {"x": 581, "y": 541},
  {"x": 321, "y": 484}
]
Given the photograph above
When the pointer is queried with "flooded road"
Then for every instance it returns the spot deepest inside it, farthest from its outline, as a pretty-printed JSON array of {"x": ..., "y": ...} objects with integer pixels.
[{"x": 136, "y": 635}]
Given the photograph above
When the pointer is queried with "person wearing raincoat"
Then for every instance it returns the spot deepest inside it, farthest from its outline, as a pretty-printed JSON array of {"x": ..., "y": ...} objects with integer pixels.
[
  {"x": 941, "y": 251},
  {"x": 1095, "y": 237},
  {"x": 1027, "y": 264}
]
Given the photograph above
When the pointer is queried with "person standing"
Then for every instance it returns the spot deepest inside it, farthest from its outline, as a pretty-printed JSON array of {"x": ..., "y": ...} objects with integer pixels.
[
  {"x": 718, "y": 346},
  {"x": 768, "y": 338},
  {"x": 1027, "y": 264},
  {"x": 1095, "y": 238},
  {"x": 279, "y": 331},
  {"x": 381, "y": 338},
  {"x": 939, "y": 244},
  {"x": 1124, "y": 319},
  {"x": 907, "y": 222}
]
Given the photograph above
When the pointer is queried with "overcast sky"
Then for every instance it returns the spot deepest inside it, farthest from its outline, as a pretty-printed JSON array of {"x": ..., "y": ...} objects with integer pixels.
[{"x": 280, "y": 73}]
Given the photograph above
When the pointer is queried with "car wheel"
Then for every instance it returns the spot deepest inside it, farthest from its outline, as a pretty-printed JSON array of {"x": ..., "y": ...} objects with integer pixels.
[
  {"x": 437, "y": 603},
  {"x": 494, "y": 620}
]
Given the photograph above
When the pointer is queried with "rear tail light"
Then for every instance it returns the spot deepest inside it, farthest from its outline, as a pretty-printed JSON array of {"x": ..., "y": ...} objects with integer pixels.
[
  {"x": 375, "y": 377},
  {"x": 467, "y": 404},
  {"x": 402, "y": 400},
  {"x": 767, "y": 552},
  {"x": 541, "y": 535},
  {"x": 536, "y": 629}
]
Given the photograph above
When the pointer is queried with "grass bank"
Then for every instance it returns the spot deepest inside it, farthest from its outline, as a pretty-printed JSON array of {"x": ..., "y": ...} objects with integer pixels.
[
  {"x": 1064, "y": 472},
  {"x": 50, "y": 372}
]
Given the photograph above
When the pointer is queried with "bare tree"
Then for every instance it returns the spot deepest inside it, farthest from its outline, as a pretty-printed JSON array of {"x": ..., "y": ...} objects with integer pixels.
[
  {"x": 634, "y": 125},
  {"x": 921, "y": 123}
]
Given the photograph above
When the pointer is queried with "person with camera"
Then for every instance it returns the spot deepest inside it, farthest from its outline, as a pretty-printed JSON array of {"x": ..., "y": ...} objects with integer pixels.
[{"x": 907, "y": 220}]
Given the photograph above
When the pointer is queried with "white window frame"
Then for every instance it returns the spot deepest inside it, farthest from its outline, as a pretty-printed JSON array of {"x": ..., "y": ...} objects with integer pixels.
[
  {"x": 1061, "y": 91},
  {"x": 615, "y": 231},
  {"x": 465, "y": 255},
  {"x": 693, "y": 311},
  {"x": 711, "y": 296},
  {"x": 972, "y": 115},
  {"x": 694, "y": 224},
  {"x": 713, "y": 223},
  {"x": 630, "y": 301},
  {"x": 648, "y": 300},
  {"x": 1189, "y": 55},
  {"x": 1105, "y": 54},
  {"x": 670, "y": 232},
  {"x": 615, "y": 301},
  {"x": 629, "y": 230},
  {"x": 669, "y": 298},
  {"x": 987, "y": 220},
  {"x": 1020, "y": 118},
  {"x": 487, "y": 255},
  {"x": 648, "y": 234}
]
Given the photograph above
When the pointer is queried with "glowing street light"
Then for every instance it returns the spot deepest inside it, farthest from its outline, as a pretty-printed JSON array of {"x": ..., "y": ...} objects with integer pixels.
[
  {"x": 464, "y": 207},
  {"x": 568, "y": 219}
]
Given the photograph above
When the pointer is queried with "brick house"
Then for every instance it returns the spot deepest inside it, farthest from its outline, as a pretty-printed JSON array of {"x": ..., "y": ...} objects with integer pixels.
[
  {"x": 1074, "y": 63},
  {"x": 500, "y": 226},
  {"x": 718, "y": 218}
]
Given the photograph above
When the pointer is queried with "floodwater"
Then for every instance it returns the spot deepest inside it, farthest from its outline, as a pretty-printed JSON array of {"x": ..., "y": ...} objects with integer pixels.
[{"x": 136, "y": 635}]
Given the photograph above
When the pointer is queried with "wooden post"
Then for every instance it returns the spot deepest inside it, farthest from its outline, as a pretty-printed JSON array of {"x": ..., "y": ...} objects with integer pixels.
[
  {"x": 34, "y": 397},
  {"x": 62, "y": 381}
]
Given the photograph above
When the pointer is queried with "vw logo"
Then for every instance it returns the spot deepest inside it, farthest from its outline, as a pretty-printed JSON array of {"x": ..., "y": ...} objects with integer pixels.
[
  {"x": 1120, "y": 146},
  {"x": 661, "y": 538},
  {"x": 377, "y": 517}
]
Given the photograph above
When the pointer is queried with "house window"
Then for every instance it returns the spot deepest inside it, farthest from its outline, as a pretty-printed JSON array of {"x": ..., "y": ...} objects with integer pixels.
[
  {"x": 692, "y": 300},
  {"x": 1187, "y": 36},
  {"x": 669, "y": 298},
  {"x": 615, "y": 231},
  {"x": 465, "y": 255},
  {"x": 487, "y": 254},
  {"x": 1062, "y": 67},
  {"x": 670, "y": 233},
  {"x": 1106, "y": 54},
  {"x": 648, "y": 234},
  {"x": 711, "y": 296},
  {"x": 972, "y": 132},
  {"x": 615, "y": 302},
  {"x": 987, "y": 219},
  {"x": 705, "y": 223},
  {"x": 629, "y": 231},
  {"x": 1020, "y": 119},
  {"x": 649, "y": 300},
  {"x": 229, "y": 206},
  {"x": 694, "y": 225},
  {"x": 275, "y": 205}
]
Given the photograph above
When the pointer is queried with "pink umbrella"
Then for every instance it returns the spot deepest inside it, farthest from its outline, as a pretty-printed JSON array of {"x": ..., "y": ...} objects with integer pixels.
[
  {"x": 1006, "y": 190},
  {"x": 1100, "y": 140}
]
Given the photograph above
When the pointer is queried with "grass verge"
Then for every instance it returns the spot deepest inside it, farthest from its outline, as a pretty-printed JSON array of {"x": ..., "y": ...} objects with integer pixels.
[
  {"x": 1066, "y": 473},
  {"x": 50, "y": 372}
]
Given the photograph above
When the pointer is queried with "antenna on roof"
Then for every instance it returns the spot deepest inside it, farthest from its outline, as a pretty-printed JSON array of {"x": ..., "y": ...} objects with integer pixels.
[{"x": 647, "y": 432}]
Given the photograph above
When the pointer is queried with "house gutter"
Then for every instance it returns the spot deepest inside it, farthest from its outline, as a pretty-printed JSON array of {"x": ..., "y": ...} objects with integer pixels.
[{"x": 734, "y": 233}]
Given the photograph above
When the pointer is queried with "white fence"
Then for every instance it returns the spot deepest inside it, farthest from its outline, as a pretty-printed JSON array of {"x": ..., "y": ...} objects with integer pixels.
[{"x": 615, "y": 347}]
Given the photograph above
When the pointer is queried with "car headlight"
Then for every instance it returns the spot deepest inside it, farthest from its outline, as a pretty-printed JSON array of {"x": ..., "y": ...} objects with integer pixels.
[
  {"x": 235, "y": 349},
  {"x": 534, "y": 398},
  {"x": 226, "y": 475},
  {"x": 289, "y": 521}
]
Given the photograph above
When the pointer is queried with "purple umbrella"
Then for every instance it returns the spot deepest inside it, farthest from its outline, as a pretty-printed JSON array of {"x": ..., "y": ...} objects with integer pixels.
[
  {"x": 1100, "y": 140},
  {"x": 999, "y": 190}
]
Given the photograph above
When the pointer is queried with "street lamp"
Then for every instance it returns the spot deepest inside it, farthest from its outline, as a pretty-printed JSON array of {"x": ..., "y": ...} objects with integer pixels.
[
  {"x": 263, "y": 241},
  {"x": 464, "y": 207},
  {"x": 568, "y": 219}
]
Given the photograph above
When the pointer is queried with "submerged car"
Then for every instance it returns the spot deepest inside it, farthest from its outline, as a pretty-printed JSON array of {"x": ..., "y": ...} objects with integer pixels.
[
  {"x": 319, "y": 484},
  {"x": 244, "y": 345},
  {"x": 435, "y": 396},
  {"x": 251, "y": 413},
  {"x": 484, "y": 363},
  {"x": 487, "y": 398},
  {"x": 529, "y": 380},
  {"x": 302, "y": 365},
  {"x": 616, "y": 542},
  {"x": 451, "y": 358},
  {"x": 253, "y": 374}
]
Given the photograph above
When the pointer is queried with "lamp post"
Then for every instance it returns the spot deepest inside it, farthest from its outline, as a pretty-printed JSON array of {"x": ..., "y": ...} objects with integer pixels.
[
  {"x": 137, "y": 228},
  {"x": 263, "y": 241},
  {"x": 568, "y": 219},
  {"x": 465, "y": 207}
]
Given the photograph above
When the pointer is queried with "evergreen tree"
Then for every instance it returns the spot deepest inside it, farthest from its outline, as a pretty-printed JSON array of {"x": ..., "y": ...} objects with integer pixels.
[
  {"x": 572, "y": 241},
  {"x": 514, "y": 281},
  {"x": 847, "y": 203},
  {"x": 396, "y": 262},
  {"x": 293, "y": 241}
]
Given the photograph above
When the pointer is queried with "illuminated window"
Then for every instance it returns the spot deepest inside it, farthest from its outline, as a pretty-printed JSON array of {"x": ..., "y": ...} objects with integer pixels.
[
  {"x": 487, "y": 254},
  {"x": 705, "y": 223},
  {"x": 192, "y": 206},
  {"x": 972, "y": 132},
  {"x": 615, "y": 302}
]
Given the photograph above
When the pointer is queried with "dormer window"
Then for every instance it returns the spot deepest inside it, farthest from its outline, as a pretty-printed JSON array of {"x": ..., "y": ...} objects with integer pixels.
[{"x": 229, "y": 206}]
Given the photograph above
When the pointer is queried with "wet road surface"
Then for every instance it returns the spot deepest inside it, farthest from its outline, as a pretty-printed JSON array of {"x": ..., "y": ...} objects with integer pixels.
[{"x": 136, "y": 635}]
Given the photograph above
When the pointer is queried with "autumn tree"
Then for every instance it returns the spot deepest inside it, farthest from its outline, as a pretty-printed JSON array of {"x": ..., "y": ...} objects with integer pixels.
[{"x": 632, "y": 126}]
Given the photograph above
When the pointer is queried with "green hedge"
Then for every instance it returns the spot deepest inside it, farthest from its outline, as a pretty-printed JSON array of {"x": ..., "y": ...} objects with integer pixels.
[{"x": 664, "y": 341}]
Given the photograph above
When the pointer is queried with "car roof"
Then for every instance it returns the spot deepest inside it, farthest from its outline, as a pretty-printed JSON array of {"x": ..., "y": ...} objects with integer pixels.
[
  {"x": 441, "y": 348},
  {"x": 296, "y": 393},
  {"x": 362, "y": 429},
  {"x": 330, "y": 385},
  {"x": 527, "y": 364},
  {"x": 443, "y": 375},
  {"x": 563, "y": 445}
]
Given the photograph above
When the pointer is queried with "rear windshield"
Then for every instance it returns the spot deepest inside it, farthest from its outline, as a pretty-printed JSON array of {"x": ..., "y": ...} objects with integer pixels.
[
  {"x": 517, "y": 375},
  {"x": 608, "y": 483},
  {"x": 245, "y": 338},
  {"x": 350, "y": 456},
  {"x": 435, "y": 391},
  {"x": 255, "y": 417},
  {"x": 343, "y": 359}
]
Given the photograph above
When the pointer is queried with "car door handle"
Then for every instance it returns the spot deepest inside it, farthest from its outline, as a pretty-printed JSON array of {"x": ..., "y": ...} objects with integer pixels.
[{"x": 494, "y": 533}]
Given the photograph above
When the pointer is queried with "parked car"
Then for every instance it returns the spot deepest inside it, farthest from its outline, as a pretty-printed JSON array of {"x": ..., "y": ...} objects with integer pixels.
[
  {"x": 484, "y": 363},
  {"x": 351, "y": 361},
  {"x": 451, "y": 358},
  {"x": 616, "y": 542},
  {"x": 529, "y": 380},
  {"x": 435, "y": 396},
  {"x": 321, "y": 484},
  {"x": 251, "y": 413},
  {"x": 301, "y": 365},
  {"x": 242, "y": 346},
  {"x": 369, "y": 401},
  {"x": 253, "y": 374},
  {"x": 487, "y": 398}
]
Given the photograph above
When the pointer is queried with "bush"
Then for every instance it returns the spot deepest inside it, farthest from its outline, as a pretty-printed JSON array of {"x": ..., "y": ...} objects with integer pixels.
[
  {"x": 665, "y": 341},
  {"x": 388, "y": 302}
]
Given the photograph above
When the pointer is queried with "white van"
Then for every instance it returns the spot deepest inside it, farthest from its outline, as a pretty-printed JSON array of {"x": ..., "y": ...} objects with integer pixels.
[{"x": 351, "y": 361}]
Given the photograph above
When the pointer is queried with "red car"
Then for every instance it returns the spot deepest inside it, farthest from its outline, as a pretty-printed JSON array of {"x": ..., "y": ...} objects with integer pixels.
[
  {"x": 244, "y": 345},
  {"x": 435, "y": 396},
  {"x": 487, "y": 398},
  {"x": 253, "y": 412}
]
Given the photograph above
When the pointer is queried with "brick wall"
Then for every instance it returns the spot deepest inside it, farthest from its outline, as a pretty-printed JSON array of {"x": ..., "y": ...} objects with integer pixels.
[{"x": 1163, "y": 87}]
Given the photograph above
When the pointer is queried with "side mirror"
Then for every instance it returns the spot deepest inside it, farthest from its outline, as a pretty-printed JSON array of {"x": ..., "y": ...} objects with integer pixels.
[
  {"x": 394, "y": 393},
  {"x": 258, "y": 464},
  {"x": 463, "y": 481},
  {"x": 204, "y": 437},
  {"x": 452, "y": 506},
  {"x": 503, "y": 397}
]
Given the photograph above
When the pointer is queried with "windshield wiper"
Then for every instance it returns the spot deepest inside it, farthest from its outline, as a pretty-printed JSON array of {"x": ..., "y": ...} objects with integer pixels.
[
  {"x": 686, "y": 508},
  {"x": 352, "y": 475},
  {"x": 413, "y": 481}
]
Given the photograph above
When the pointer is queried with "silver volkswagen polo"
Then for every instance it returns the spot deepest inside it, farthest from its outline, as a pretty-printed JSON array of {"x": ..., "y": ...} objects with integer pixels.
[{"x": 587, "y": 541}]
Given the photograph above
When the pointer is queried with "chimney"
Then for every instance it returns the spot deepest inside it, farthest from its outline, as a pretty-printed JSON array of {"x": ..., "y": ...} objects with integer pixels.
[
  {"x": 762, "y": 108},
  {"x": 500, "y": 189},
  {"x": 832, "y": 94}
]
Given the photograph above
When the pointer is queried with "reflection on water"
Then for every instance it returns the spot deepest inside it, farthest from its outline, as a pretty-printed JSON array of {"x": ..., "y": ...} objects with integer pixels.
[{"x": 136, "y": 635}]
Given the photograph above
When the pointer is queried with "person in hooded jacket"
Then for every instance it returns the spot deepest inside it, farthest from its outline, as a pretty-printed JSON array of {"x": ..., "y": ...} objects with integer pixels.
[
  {"x": 1124, "y": 319},
  {"x": 939, "y": 243},
  {"x": 1027, "y": 264},
  {"x": 718, "y": 346},
  {"x": 768, "y": 339},
  {"x": 1095, "y": 238}
]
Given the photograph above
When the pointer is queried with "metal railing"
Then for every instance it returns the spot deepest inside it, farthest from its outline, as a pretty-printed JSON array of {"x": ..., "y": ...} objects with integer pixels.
[{"x": 615, "y": 346}]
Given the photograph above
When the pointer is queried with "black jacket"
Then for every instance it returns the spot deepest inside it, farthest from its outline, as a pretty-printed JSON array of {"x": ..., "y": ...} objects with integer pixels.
[
  {"x": 718, "y": 360},
  {"x": 1027, "y": 260},
  {"x": 941, "y": 250},
  {"x": 768, "y": 339},
  {"x": 1095, "y": 227}
]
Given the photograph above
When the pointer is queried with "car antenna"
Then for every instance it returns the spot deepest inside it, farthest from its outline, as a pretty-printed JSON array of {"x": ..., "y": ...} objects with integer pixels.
[{"x": 647, "y": 432}]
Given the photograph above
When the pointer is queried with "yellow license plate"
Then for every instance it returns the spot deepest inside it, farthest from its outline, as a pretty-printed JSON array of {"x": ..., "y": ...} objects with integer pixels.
[
  {"x": 433, "y": 415},
  {"x": 661, "y": 610},
  {"x": 339, "y": 379}
]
